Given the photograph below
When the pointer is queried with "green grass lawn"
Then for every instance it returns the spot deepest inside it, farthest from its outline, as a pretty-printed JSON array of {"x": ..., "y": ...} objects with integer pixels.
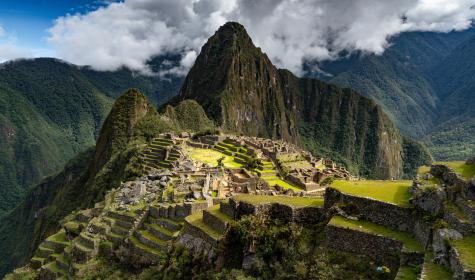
[
  {"x": 288, "y": 200},
  {"x": 364, "y": 226},
  {"x": 197, "y": 221},
  {"x": 215, "y": 210},
  {"x": 433, "y": 271},
  {"x": 406, "y": 273},
  {"x": 59, "y": 237},
  {"x": 467, "y": 171},
  {"x": 466, "y": 249},
  {"x": 211, "y": 157},
  {"x": 388, "y": 191},
  {"x": 274, "y": 180}
]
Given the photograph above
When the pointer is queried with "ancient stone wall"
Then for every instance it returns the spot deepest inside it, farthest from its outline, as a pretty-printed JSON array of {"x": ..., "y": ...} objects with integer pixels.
[
  {"x": 384, "y": 250},
  {"x": 389, "y": 215},
  {"x": 286, "y": 213},
  {"x": 460, "y": 272}
]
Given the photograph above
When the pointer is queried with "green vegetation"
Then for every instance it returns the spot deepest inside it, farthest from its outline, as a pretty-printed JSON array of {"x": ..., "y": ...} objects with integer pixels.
[
  {"x": 84, "y": 181},
  {"x": 433, "y": 271},
  {"x": 424, "y": 81},
  {"x": 212, "y": 157},
  {"x": 467, "y": 171},
  {"x": 283, "y": 251},
  {"x": 407, "y": 273},
  {"x": 466, "y": 249},
  {"x": 388, "y": 191},
  {"x": 364, "y": 226},
  {"x": 51, "y": 110},
  {"x": 190, "y": 116},
  {"x": 288, "y": 200},
  {"x": 215, "y": 210},
  {"x": 275, "y": 180},
  {"x": 197, "y": 221}
]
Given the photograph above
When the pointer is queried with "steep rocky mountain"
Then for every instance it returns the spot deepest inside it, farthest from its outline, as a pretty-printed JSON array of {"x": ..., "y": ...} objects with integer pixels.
[
  {"x": 84, "y": 180},
  {"x": 242, "y": 91},
  {"x": 424, "y": 83},
  {"x": 51, "y": 110}
]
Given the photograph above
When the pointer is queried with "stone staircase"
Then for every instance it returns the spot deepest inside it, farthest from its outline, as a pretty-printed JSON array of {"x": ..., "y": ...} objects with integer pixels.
[{"x": 160, "y": 153}]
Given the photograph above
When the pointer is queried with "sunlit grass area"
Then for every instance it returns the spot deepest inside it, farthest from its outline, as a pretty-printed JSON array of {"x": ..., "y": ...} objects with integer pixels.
[
  {"x": 289, "y": 200},
  {"x": 396, "y": 192},
  {"x": 406, "y": 273},
  {"x": 466, "y": 249},
  {"x": 467, "y": 171},
  {"x": 197, "y": 220},
  {"x": 364, "y": 226},
  {"x": 211, "y": 157},
  {"x": 433, "y": 271},
  {"x": 274, "y": 180}
]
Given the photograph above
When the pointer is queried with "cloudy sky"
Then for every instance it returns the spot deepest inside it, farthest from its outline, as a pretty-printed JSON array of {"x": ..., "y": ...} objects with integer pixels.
[{"x": 109, "y": 34}]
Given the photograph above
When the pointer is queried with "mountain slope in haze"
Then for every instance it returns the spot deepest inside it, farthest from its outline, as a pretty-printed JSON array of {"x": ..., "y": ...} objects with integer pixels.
[
  {"x": 84, "y": 180},
  {"x": 454, "y": 78},
  {"x": 243, "y": 92},
  {"x": 51, "y": 110},
  {"x": 424, "y": 82}
]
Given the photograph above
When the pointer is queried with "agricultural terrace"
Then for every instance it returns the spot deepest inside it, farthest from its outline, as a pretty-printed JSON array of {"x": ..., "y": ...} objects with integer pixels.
[
  {"x": 467, "y": 171},
  {"x": 211, "y": 157},
  {"x": 287, "y": 200},
  {"x": 368, "y": 227},
  {"x": 396, "y": 192}
]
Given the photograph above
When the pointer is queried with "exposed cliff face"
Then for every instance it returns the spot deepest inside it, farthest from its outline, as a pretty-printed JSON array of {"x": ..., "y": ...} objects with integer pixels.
[
  {"x": 238, "y": 86},
  {"x": 243, "y": 91}
]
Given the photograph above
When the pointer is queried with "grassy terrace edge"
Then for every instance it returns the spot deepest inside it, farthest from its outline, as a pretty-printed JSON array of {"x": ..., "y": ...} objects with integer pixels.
[
  {"x": 394, "y": 192},
  {"x": 368, "y": 227},
  {"x": 466, "y": 248},
  {"x": 287, "y": 200}
]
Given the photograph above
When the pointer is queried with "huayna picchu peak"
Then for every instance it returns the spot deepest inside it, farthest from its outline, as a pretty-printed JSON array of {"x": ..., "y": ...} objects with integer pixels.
[
  {"x": 249, "y": 172},
  {"x": 242, "y": 91}
]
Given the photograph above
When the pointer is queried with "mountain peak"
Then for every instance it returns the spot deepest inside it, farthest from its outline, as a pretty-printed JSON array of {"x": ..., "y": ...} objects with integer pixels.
[{"x": 118, "y": 128}]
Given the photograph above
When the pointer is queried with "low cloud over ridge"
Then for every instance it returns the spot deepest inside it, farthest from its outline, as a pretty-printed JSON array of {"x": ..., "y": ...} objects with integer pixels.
[{"x": 129, "y": 33}]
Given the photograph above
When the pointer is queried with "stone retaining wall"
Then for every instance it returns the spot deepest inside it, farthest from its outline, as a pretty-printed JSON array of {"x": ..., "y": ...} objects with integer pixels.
[
  {"x": 198, "y": 233},
  {"x": 197, "y": 245},
  {"x": 422, "y": 232},
  {"x": 227, "y": 209},
  {"x": 286, "y": 213},
  {"x": 449, "y": 177},
  {"x": 460, "y": 272},
  {"x": 214, "y": 222},
  {"x": 386, "y": 214},
  {"x": 384, "y": 250}
]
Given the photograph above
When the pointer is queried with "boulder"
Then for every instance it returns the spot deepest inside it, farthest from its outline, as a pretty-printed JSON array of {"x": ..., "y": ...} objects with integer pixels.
[{"x": 440, "y": 246}]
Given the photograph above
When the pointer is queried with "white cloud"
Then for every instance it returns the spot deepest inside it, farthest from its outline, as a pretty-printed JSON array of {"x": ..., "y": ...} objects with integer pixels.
[
  {"x": 290, "y": 31},
  {"x": 9, "y": 49}
]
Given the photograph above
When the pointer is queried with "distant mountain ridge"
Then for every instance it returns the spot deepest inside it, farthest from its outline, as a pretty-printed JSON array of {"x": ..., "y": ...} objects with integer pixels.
[
  {"x": 425, "y": 81},
  {"x": 244, "y": 92}
]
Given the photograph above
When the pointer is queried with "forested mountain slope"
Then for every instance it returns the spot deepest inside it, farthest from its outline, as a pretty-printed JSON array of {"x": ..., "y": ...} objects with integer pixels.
[
  {"x": 51, "y": 110},
  {"x": 423, "y": 81}
]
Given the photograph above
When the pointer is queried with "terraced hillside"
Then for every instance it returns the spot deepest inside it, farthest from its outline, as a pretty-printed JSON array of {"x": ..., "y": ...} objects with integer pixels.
[{"x": 379, "y": 222}]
